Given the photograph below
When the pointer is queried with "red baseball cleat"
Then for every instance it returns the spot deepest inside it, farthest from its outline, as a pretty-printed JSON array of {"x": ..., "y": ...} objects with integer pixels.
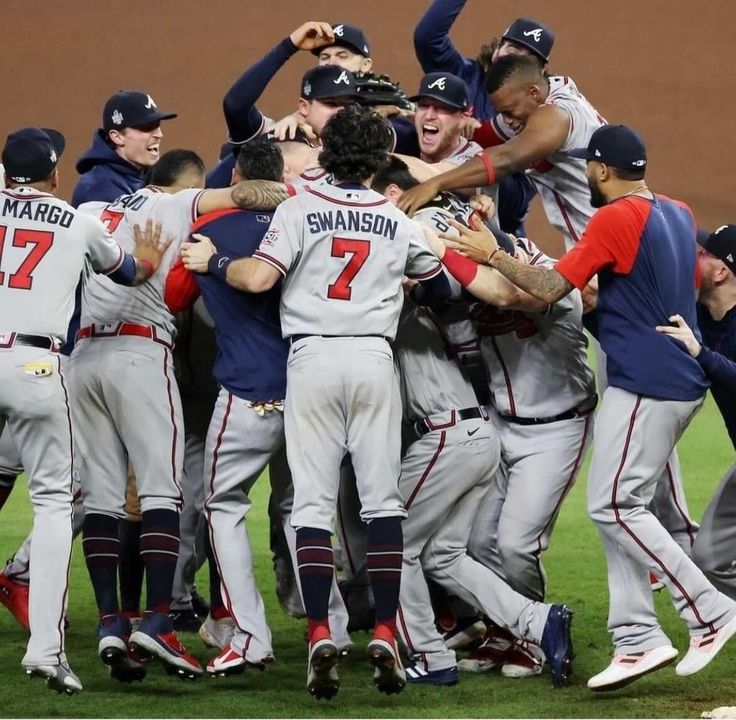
[{"x": 14, "y": 595}]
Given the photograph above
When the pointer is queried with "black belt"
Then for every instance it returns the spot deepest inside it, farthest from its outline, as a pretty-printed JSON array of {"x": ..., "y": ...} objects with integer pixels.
[
  {"x": 38, "y": 341},
  {"x": 295, "y": 338},
  {"x": 569, "y": 415},
  {"x": 423, "y": 426}
]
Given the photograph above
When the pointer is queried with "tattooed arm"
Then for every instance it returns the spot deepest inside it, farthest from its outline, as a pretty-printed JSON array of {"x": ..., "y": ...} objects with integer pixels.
[
  {"x": 246, "y": 195},
  {"x": 544, "y": 283}
]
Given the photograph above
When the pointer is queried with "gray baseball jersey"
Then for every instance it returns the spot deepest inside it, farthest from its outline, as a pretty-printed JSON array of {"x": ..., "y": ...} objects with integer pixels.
[
  {"x": 560, "y": 179},
  {"x": 537, "y": 362},
  {"x": 105, "y": 302},
  {"x": 46, "y": 244},
  {"x": 343, "y": 253},
  {"x": 464, "y": 151}
]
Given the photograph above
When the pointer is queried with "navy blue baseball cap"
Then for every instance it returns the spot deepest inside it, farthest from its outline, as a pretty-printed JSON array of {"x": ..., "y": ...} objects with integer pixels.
[
  {"x": 31, "y": 154},
  {"x": 444, "y": 87},
  {"x": 533, "y": 35},
  {"x": 721, "y": 243},
  {"x": 616, "y": 145},
  {"x": 328, "y": 81},
  {"x": 348, "y": 36},
  {"x": 130, "y": 108}
]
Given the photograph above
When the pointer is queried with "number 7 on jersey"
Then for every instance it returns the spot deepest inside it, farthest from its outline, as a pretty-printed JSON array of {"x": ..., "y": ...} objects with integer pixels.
[{"x": 359, "y": 250}]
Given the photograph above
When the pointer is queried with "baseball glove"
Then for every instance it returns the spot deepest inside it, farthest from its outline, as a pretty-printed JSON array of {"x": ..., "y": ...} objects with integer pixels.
[{"x": 380, "y": 90}]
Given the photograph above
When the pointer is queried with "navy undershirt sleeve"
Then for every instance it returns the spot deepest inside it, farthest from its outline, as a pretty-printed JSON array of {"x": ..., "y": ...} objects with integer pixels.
[{"x": 125, "y": 274}]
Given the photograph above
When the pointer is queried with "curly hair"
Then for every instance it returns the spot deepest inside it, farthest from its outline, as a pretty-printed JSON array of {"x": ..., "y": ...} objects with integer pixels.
[{"x": 355, "y": 144}]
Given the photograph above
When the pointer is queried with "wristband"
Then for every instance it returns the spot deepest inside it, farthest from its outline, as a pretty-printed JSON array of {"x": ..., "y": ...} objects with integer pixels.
[
  {"x": 148, "y": 265},
  {"x": 217, "y": 265},
  {"x": 461, "y": 268},
  {"x": 490, "y": 170}
]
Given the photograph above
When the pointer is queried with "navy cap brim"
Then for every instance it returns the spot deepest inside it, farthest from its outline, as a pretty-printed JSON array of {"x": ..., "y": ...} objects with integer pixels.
[
  {"x": 438, "y": 98},
  {"x": 339, "y": 43},
  {"x": 702, "y": 237},
  {"x": 157, "y": 116}
]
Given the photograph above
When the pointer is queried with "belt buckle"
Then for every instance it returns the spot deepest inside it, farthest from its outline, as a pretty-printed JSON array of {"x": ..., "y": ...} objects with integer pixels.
[{"x": 105, "y": 329}]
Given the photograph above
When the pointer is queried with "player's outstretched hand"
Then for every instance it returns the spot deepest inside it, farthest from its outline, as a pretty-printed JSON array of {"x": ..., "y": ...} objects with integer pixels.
[
  {"x": 477, "y": 243},
  {"x": 148, "y": 243},
  {"x": 418, "y": 196},
  {"x": 312, "y": 35},
  {"x": 196, "y": 255},
  {"x": 681, "y": 331}
]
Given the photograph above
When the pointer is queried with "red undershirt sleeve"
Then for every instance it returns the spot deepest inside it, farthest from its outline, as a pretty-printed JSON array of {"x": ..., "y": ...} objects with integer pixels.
[{"x": 611, "y": 241}]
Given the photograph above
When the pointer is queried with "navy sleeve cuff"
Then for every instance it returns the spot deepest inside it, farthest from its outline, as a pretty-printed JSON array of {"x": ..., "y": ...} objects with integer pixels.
[{"x": 218, "y": 265}]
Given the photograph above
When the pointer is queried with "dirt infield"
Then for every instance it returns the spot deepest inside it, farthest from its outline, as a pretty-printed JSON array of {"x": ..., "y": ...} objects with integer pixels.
[{"x": 659, "y": 65}]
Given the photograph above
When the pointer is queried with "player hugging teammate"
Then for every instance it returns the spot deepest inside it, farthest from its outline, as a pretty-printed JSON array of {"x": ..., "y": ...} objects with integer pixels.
[{"x": 414, "y": 377}]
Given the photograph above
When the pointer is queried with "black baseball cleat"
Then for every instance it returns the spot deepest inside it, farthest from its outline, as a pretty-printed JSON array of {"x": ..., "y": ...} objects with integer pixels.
[
  {"x": 200, "y": 606},
  {"x": 557, "y": 644},
  {"x": 323, "y": 681},
  {"x": 185, "y": 620}
]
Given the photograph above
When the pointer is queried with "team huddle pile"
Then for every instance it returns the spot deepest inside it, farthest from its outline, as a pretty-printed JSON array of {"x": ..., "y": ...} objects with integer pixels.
[{"x": 352, "y": 303}]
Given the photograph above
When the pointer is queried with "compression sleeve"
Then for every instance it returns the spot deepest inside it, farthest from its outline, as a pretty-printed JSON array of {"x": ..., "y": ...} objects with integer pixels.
[{"x": 244, "y": 121}]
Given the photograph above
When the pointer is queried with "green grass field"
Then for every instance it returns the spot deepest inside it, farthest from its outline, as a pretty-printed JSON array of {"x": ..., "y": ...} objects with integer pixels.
[{"x": 576, "y": 570}]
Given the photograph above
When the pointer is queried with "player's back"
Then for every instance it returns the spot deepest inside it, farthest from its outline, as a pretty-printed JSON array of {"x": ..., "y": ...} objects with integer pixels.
[
  {"x": 103, "y": 301},
  {"x": 251, "y": 354},
  {"x": 45, "y": 243},
  {"x": 346, "y": 249}
]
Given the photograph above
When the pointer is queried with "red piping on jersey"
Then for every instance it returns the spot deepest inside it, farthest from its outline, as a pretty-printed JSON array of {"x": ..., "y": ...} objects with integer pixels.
[
  {"x": 24, "y": 196},
  {"x": 271, "y": 261},
  {"x": 507, "y": 378},
  {"x": 632, "y": 534},
  {"x": 565, "y": 216},
  {"x": 117, "y": 263},
  {"x": 209, "y": 217},
  {"x": 345, "y": 202},
  {"x": 429, "y": 467}
]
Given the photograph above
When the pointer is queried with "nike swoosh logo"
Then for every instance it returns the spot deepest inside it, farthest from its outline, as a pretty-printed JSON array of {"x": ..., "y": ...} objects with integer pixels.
[
  {"x": 472, "y": 432},
  {"x": 296, "y": 350}
]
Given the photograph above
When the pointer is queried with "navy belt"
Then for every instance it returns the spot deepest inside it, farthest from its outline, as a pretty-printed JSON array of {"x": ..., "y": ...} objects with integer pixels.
[
  {"x": 424, "y": 426},
  {"x": 569, "y": 415}
]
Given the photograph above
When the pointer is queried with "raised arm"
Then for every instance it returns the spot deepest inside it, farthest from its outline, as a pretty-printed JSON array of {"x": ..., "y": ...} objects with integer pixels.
[
  {"x": 545, "y": 131},
  {"x": 243, "y": 120},
  {"x": 432, "y": 43}
]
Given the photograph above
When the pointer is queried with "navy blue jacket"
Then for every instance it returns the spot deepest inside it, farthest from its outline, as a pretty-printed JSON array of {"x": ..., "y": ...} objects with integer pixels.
[
  {"x": 718, "y": 359},
  {"x": 105, "y": 175},
  {"x": 251, "y": 354}
]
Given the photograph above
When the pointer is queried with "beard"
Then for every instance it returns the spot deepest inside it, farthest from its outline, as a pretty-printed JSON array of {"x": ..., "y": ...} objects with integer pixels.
[{"x": 596, "y": 196}]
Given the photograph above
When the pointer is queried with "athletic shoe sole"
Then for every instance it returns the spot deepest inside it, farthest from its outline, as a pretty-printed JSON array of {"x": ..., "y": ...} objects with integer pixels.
[
  {"x": 322, "y": 679},
  {"x": 388, "y": 676}
]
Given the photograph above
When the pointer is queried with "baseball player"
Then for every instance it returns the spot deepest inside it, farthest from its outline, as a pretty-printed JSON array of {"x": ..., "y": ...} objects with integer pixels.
[
  {"x": 544, "y": 118},
  {"x": 654, "y": 390},
  {"x": 127, "y": 144},
  {"x": 713, "y": 551},
  {"x": 334, "y": 273},
  {"x": 46, "y": 245},
  {"x": 243, "y": 118},
  {"x": 124, "y": 348}
]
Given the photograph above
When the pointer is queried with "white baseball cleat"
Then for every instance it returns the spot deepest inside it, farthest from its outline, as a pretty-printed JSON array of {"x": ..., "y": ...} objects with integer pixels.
[
  {"x": 58, "y": 677},
  {"x": 323, "y": 681},
  {"x": 523, "y": 661},
  {"x": 233, "y": 662},
  {"x": 388, "y": 672},
  {"x": 703, "y": 648},
  {"x": 625, "y": 669},
  {"x": 217, "y": 633}
]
